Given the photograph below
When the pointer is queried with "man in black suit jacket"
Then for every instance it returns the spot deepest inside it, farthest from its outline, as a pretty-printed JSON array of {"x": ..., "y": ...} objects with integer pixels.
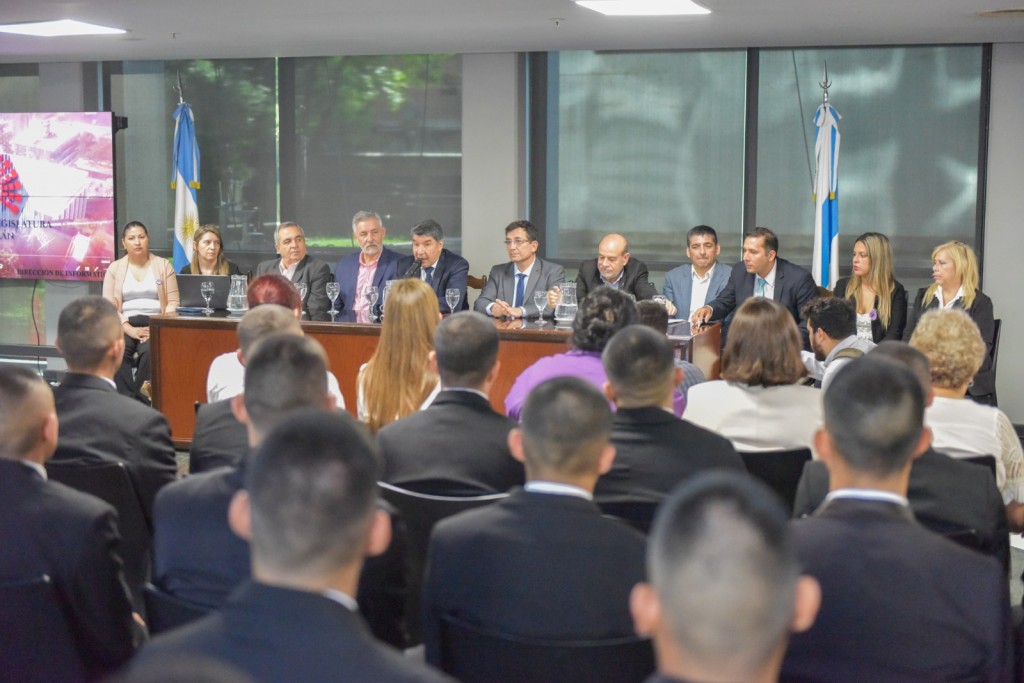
[
  {"x": 309, "y": 508},
  {"x": 614, "y": 267},
  {"x": 97, "y": 424},
  {"x": 435, "y": 265},
  {"x": 925, "y": 608},
  {"x": 947, "y": 495},
  {"x": 458, "y": 445},
  {"x": 654, "y": 450},
  {"x": 542, "y": 563},
  {"x": 762, "y": 273},
  {"x": 302, "y": 269},
  {"x": 220, "y": 440},
  {"x": 49, "y": 529}
]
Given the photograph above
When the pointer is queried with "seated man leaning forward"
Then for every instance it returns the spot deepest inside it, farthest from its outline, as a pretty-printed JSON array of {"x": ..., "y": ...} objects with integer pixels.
[
  {"x": 510, "y": 288},
  {"x": 832, "y": 331}
]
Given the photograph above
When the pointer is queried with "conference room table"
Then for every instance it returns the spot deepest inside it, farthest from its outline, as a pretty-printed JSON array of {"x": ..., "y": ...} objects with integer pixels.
[{"x": 183, "y": 346}]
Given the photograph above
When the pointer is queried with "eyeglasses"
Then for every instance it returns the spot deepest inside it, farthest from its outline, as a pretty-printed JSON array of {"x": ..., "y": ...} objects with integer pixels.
[{"x": 517, "y": 241}]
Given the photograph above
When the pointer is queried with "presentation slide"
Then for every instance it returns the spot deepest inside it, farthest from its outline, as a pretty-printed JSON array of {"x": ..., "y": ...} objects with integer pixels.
[{"x": 56, "y": 195}]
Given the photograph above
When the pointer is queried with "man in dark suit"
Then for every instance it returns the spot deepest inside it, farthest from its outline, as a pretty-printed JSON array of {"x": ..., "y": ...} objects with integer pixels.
[
  {"x": 97, "y": 424},
  {"x": 302, "y": 269},
  {"x": 373, "y": 265},
  {"x": 309, "y": 508},
  {"x": 510, "y": 286},
  {"x": 702, "y": 275},
  {"x": 49, "y": 529},
  {"x": 947, "y": 495},
  {"x": 925, "y": 608},
  {"x": 534, "y": 557},
  {"x": 654, "y": 449},
  {"x": 435, "y": 265},
  {"x": 614, "y": 267},
  {"x": 724, "y": 589},
  {"x": 762, "y": 273},
  {"x": 458, "y": 445}
]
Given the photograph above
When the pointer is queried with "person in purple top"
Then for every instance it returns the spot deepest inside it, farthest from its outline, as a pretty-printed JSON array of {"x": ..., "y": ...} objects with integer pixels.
[{"x": 601, "y": 314}]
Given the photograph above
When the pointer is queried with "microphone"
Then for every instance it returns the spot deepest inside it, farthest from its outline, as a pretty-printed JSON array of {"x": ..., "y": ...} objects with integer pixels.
[{"x": 414, "y": 269}]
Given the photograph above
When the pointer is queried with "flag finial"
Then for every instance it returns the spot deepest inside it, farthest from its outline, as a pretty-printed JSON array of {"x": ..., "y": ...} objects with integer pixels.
[{"x": 825, "y": 84}]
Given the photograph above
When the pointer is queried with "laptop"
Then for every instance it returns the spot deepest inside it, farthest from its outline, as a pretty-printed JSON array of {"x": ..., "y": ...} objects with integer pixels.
[{"x": 192, "y": 300}]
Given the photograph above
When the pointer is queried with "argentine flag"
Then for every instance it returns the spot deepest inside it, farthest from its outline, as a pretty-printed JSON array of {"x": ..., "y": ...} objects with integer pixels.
[
  {"x": 184, "y": 182},
  {"x": 826, "y": 197}
]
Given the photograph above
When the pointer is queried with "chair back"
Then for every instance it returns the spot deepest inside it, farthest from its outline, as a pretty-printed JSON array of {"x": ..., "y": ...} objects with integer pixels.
[
  {"x": 165, "y": 611},
  {"x": 781, "y": 470},
  {"x": 110, "y": 482},
  {"x": 37, "y": 642},
  {"x": 474, "y": 282},
  {"x": 420, "y": 512},
  {"x": 987, "y": 461},
  {"x": 997, "y": 326},
  {"x": 639, "y": 514},
  {"x": 476, "y": 655}
]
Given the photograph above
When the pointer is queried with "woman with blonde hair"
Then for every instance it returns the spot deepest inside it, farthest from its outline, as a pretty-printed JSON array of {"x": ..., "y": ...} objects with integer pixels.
[
  {"x": 208, "y": 254},
  {"x": 397, "y": 380},
  {"x": 955, "y": 271},
  {"x": 758, "y": 404},
  {"x": 881, "y": 301}
]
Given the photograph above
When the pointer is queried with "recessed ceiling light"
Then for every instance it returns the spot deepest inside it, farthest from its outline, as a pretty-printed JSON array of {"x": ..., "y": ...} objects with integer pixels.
[
  {"x": 643, "y": 8},
  {"x": 61, "y": 27}
]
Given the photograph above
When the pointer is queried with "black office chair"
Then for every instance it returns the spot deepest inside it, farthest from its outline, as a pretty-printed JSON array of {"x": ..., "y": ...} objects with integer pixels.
[
  {"x": 37, "y": 642},
  {"x": 420, "y": 512},
  {"x": 477, "y": 655},
  {"x": 781, "y": 470},
  {"x": 110, "y": 482},
  {"x": 165, "y": 611},
  {"x": 636, "y": 513}
]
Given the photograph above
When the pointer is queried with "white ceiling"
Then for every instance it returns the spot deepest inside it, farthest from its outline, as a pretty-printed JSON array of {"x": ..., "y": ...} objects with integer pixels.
[{"x": 168, "y": 29}]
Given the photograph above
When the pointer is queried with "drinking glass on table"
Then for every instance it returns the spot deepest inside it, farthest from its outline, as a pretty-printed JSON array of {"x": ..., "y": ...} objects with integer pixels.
[
  {"x": 540, "y": 300},
  {"x": 371, "y": 295},
  {"x": 451, "y": 296},
  {"x": 206, "y": 289},
  {"x": 302, "y": 292},
  {"x": 333, "y": 289}
]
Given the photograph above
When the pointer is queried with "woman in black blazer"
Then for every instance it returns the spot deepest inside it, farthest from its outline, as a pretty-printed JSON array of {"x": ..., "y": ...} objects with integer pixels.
[
  {"x": 881, "y": 301},
  {"x": 955, "y": 270}
]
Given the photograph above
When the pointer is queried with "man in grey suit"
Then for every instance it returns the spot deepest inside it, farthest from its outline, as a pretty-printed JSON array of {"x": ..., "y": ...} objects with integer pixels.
[
  {"x": 510, "y": 286},
  {"x": 300, "y": 268},
  {"x": 690, "y": 286}
]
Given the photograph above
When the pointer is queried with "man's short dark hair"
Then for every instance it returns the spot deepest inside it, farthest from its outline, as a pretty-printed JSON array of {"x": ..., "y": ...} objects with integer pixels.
[
  {"x": 532, "y": 233},
  {"x": 466, "y": 345},
  {"x": 725, "y": 570},
  {"x": 313, "y": 487},
  {"x": 283, "y": 373},
  {"x": 904, "y": 353},
  {"x": 566, "y": 422},
  {"x": 640, "y": 365},
  {"x": 18, "y": 434},
  {"x": 85, "y": 330},
  {"x": 700, "y": 231},
  {"x": 428, "y": 228},
  {"x": 653, "y": 315},
  {"x": 600, "y": 315},
  {"x": 874, "y": 412},
  {"x": 771, "y": 240},
  {"x": 263, "y": 321},
  {"x": 833, "y": 315}
]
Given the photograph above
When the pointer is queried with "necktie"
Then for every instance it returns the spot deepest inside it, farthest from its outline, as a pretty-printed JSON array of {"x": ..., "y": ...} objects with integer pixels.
[
  {"x": 520, "y": 287},
  {"x": 761, "y": 284},
  {"x": 429, "y": 279}
]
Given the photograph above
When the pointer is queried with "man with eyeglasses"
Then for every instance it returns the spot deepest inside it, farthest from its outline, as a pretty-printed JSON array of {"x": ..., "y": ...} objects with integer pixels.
[
  {"x": 510, "y": 286},
  {"x": 371, "y": 266}
]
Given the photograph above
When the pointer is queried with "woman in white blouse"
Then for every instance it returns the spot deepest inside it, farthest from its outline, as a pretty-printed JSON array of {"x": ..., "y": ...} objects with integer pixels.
[{"x": 758, "y": 404}]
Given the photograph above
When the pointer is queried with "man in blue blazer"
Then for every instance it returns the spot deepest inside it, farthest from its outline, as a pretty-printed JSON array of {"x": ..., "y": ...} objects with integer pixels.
[
  {"x": 374, "y": 262},
  {"x": 703, "y": 271},
  {"x": 435, "y": 265},
  {"x": 762, "y": 273}
]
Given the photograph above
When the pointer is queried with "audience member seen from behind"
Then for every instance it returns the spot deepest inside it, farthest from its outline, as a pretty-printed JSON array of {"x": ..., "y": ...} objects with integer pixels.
[
  {"x": 926, "y": 609},
  {"x": 955, "y": 270},
  {"x": 832, "y": 331},
  {"x": 758, "y": 404},
  {"x": 654, "y": 449},
  {"x": 880, "y": 300},
  {"x": 655, "y": 316},
  {"x": 397, "y": 380},
  {"x": 604, "y": 312},
  {"x": 208, "y": 254},
  {"x": 457, "y": 446},
  {"x": 47, "y": 529},
  {"x": 963, "y": 428},
  {"x": 725, "y": 589},
  {"x": 274, "y": 288},
  {"x": 309, "y": 508},
  {"x": 139, "y": 284}
]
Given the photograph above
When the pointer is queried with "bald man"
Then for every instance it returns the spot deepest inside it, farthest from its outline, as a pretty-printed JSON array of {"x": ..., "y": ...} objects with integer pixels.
[{"x": 615, "y": 268}]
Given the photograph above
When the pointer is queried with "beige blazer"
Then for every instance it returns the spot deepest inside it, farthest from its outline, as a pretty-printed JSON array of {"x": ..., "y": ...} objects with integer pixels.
[{"x": 163, "y": 272}]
